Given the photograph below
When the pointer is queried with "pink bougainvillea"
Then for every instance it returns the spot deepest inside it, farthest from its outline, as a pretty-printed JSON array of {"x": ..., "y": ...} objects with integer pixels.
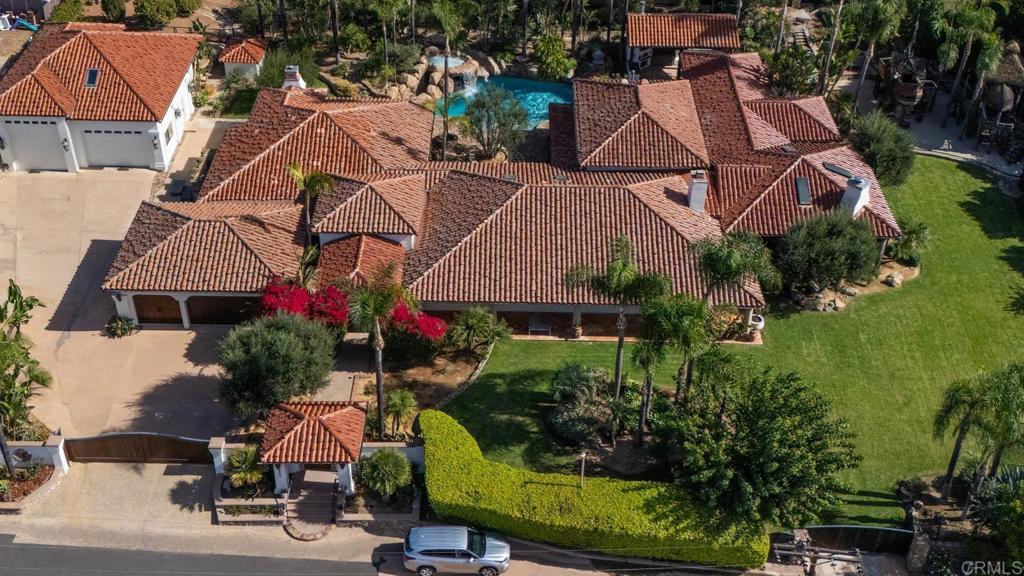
[
  {"x": 329, "y": 305},
  {"x": 421, "y": 323}
]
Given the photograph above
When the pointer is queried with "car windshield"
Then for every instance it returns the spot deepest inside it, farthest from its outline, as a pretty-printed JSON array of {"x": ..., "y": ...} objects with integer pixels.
[{"x": 477, "y": 542}]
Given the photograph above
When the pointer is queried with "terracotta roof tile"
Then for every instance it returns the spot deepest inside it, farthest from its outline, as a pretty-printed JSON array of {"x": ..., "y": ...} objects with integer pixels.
[
  {"x": 49, "y": 77},
  {"x": 248, "y": 51},
  {"x": 684, "y": 31},
  {"x": 314, "y": 433},
  {"x": 391, "y": 206},
  {"x": 358, "y": 257}
]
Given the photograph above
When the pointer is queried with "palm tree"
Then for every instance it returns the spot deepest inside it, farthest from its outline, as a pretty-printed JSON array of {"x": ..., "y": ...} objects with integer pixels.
[
  {"x": 450, "y": 20},
  {"x": 782, "y": 26},
  {"x": 244, "y": 467},
  {"x": 387, "y": 11},
  {"x": 648, "y": 353},
  {"x": 990, "y": 53},
  {"x": 1002, "y": 394},
  {"x": 21, "y": 377},
  {"x": 310, "y": 185},
  {"x": 960, "y": 409},
  {"x": 686, "y": 322},
  {"x": 334, "y": 31},
  {"x": 623, "y": 282},
  {"x": 370, "y": 306},
  {"x": 282, "y": 19},
  {"x": 729, "y": 260},
  {"x": 400, "y": 406},
  {"x": 16, "y": 310},
  {"x": 879, "y": 21},
  {"x": 442, "y": 108},
  {"x": 827, "y": 63},
  {"x": 306, "y": 274},
  {"x": 964, "y": 21}
]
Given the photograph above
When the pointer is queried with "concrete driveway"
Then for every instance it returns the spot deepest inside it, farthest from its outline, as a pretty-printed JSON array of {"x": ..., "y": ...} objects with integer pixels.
[{"x": 58, "y": 234}]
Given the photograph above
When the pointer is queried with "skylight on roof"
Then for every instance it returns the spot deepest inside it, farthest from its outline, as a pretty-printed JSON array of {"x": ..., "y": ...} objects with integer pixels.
[
  {"x": 92, "y": 77},
  {"x": 837, "y": 169},
  {"x": 803, "y": 191}
]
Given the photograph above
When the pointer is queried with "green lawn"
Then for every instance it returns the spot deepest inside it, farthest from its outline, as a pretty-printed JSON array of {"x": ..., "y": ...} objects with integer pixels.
[
  {"x": 241, "y": 105},
  {"x": 883, "y": 360}
]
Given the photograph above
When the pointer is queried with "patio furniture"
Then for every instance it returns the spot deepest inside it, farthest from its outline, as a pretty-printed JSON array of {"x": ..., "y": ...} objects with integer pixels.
[{"x": 539, "y": 325}]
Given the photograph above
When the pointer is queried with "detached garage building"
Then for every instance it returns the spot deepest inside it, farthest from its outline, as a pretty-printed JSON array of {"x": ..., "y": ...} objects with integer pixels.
[{"x": 93, "y": 95}]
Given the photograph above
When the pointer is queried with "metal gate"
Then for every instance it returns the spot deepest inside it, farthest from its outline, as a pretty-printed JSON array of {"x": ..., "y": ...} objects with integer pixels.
[{"x": 138, "y": 447}]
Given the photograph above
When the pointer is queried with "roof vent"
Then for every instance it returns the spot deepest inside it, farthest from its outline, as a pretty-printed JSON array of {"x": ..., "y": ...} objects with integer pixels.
[
  {"x": 836, "y": 169},
  {"x": 92, "y": 77},
  {"x": 509, "y": 177},
  {"x": 803, "y": 191},
  {"x": 789, "y": 148},
  {"x": 698, "y": 190},
  {"x": 561, "y": 178}
]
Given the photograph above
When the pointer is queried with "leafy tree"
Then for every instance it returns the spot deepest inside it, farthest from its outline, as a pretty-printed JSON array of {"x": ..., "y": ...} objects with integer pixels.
[
  {"x": 113, "y": 10},
  {"x": 450, "y": 19},
  {"x": 773, "y": 457},
  {"x": 272, "y": 72},
  {"x": 354, "y": 38},
  {"x": 16, "y": 310},
  {"x": 909, "y": 247},
  {"x": 963, "y": 22},
  {"x": 840, "y": 104},
  {"x": 886, "y": 147},
  {"x": 475, "y": 328},
  {"x": 574, "y": 383},
  {"x": 792, "y": 71},
  {"x": 386, "y": 471},
  {"x": 269, "y": 360},
  {"x": 999, "y": 507},
  {"x": 154, "y": 14},
  {"x": 69, "y": 11},
  {"x": 399, "y": 407},
  {"x": 990, "y": 54},
  {"x": 1002, "y": 422},
  {"x": 624, "y": 283},
  {"x": 731, "y": 259},
  {"x": 244, "y": 467},
  {"x": 250, "y": 14},
  {"x": 879, "y": 22},
  {"x": 186, "y": 7},
  {"x": 825, "y": 250},
  {"x": 960, "y": 409},
  {"x": 553, "y": 62},
  {"x": 310, "y": 185},
  {"x": 498, "y": 120}
]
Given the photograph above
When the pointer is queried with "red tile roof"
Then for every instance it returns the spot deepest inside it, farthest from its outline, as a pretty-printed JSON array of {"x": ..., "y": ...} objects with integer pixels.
[
  {"x": 684, "y": 31},
  {"x": 248, "y": 51},
  {"x": 631, "y": 126},
  {"x": 314, "y": 433},
  {"x": 385, "y": 206},
  {"x": 358, "y": 257},
  {"x": 48, "y": 79}
]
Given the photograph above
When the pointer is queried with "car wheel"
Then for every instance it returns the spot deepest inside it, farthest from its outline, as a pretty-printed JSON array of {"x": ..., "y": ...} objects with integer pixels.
[
  {"x": 488, "y": 571},
  {"x": 426, "y": 571}
]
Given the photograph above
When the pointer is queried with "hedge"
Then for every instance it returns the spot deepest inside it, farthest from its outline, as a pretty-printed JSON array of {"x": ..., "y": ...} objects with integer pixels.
[{"x": 616, "y": 517}]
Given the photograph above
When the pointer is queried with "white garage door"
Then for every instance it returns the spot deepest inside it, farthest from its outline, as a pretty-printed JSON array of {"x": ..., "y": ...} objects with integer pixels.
[
  {"x": 35, "y": 145},
  {"x": 117, "y": 148}
]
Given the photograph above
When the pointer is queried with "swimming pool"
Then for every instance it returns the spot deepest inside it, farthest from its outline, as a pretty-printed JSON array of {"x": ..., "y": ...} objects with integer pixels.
[{"x": 534, "y": 95}]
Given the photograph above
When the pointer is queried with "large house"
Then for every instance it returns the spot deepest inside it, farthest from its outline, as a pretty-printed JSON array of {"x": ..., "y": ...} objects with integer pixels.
[
  {"x": 667, "y": 164},
  {"x": 93, "y": 95}
]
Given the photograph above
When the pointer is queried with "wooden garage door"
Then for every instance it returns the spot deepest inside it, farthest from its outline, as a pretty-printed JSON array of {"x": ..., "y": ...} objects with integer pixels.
[
  {"x": 154, "y": 309},
  {"x": 222, "y": 309},
  {"x": 138, "y": 447}
]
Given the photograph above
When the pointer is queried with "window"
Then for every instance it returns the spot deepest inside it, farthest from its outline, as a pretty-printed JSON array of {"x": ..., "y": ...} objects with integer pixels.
[
  {"x": 477, "y": 543},
  {"x": 92, "y": 77},
  {"x": 803, "y": 191},
  {"x": 167, "y": 134},
  {"x": 837, "y": 169}
]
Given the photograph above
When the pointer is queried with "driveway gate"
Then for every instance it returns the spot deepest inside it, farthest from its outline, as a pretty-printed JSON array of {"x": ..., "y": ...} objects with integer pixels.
[{"x": 138, "y": 447}]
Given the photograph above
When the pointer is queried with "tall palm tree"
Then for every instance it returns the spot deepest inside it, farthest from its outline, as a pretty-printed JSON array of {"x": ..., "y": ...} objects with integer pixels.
[
  {"x": 310, "y": 185},
  {"x": 782, "y": 26},
  {"x": 400, "y": 406},
  {"x": 282, "y": 20},
  {"x": 878, "y": 21},
  {"x": 1003, "y": 403},
  {"x": 963, "y": 22},
  {"x": 686, "y": 322},
  {"x": 334, "y": 31},
  {"x": 450, "y": 20},
  {"x": 990, "y": 53},
  {"x": 370, "y": 306},
  {"x": 837, "y": 22},
  {"x": 729, "y": 260},
  {"x": 623, "y": 282},
  {"x": 959, "y": 410},
  {"x": 648, "y": 353}
]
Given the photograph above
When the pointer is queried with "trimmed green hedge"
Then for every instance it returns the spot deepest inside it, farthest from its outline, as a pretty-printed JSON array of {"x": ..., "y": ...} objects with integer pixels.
[{"x": 617, "y": 517}]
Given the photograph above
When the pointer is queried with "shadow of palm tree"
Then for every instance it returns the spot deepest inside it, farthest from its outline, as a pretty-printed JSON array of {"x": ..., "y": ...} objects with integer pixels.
[{"x": 191, "y": 495}]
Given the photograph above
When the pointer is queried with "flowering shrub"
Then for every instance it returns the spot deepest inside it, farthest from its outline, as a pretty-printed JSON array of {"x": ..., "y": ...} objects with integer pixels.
[
  {"x": 420, "y": 323},
  {"x": 329, "y": 305}
]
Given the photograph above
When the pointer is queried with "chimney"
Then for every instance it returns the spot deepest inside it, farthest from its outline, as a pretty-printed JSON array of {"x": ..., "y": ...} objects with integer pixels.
[
  {"x": 292, "y": 77},
  {"x": 856, "y": 196},
  {"x": 698, "y": 190}
]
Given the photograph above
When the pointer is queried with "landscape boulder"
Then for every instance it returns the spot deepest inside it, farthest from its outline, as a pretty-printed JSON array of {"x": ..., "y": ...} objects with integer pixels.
[{"x": 894, "y": 279}]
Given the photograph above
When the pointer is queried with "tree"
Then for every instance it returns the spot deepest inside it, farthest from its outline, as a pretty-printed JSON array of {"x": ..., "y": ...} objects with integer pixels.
[
  {"x": 773, "y": 457},
  {"x": 498, "y": 120},
  {"x": 186, "y": 7},
  {"x": 450, "y": 19},
  {"x": 730, "y": 260},
  {"x": 272, "y": 71},
  {"x": 990, "y": 54},
  {"x": 1002, "y": 422},
  {"x": 792, "y": 71},
  {"x": 16, "y": 310},
  {"x": 624, "y": 283},
  {"x": 837, "y": 22},
  {"x": 154, "y": 14},
  {"x": 310, "y": 185},
  {"x": 400, "y": 406},
  {"x": 960, "y": 409},
  {"x": 269, "y": 360},
  {"x": 244, "y": 467},
  {"x": 69, "y": 11},
  {"x": 825, "y": 250},
  {"x": 386, "y": 471},
  {"x": 878, "y": 21},
  {"x": 999, "y": 507},
  {"x": 553, "y": 64},
  {"x": 963, "y": 22},
  {"x": 886, "y": 147},
  {"x": 113, "y": 10},
  {"x": 912, "y": 243},
  {"x": 686, "y": 322},
  {"x": 475, "y": 328},
  {"x": 21, "y": 377},
  {"x": 370, "y": 306},
  {"x": 648, "y": 354}
]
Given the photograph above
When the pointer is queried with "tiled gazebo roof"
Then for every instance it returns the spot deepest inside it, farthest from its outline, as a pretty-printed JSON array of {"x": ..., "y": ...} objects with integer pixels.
[{"x": 314, "y": 433}]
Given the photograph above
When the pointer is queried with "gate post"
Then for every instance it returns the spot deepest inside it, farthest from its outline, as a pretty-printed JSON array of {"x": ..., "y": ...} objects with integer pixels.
[
  {"x": 55, "y": 446},
  {"x": 216, "y": 447}
]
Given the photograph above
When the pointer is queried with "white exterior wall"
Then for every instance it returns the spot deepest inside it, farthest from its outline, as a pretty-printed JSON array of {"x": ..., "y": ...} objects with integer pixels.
[
  {"x": 250, "y": 70},
  {"x": 408, "y": 241}
]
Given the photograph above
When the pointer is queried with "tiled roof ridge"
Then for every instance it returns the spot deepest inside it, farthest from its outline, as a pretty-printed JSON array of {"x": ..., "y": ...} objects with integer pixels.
[
  {"x": 188, "y": 222},
  {"x": 391, "y": 206},
  {"x": 42, "y": 87},
  {"x": 236, "y": 217},
  {"x": 762, "y": 193},
  {"x": 465, "y": 238},
  {"x": 120, "y": 73},
  {"x": 245, "y": 242},
  {"x": 658, "y": 215},
  {"x": 617, "y": 131},
  {"x": 739, "y": 104},
  {"x": 355, "y": 141},
  {"x": 208, "y": 197},
  {"x": 795, "y": 102},
  {"x": 681, "y": 143},
  {"x": 322, "y": 421},
  {"x": 281, "y": 441}
]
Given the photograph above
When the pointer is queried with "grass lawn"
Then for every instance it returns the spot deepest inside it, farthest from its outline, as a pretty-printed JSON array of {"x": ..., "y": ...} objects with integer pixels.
[
  {"x": 241, "y": 105},
  {"x": 883, "y": 360}
]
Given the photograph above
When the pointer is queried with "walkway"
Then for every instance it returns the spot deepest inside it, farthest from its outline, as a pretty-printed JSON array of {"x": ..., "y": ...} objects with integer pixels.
[
  {"x": 310, "y": 514},
  {"x": 351, "y": 366}
]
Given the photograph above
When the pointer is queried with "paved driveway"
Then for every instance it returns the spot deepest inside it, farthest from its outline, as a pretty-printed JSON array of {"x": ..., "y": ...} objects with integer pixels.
[{"x": 58, "y": 234}]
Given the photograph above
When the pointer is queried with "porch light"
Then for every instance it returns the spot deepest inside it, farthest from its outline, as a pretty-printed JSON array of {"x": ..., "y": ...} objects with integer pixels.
[
  {"x": 156, "y": 143},
  {"x": 65, "y": 145},
  {"x": 177, "y": 112},
  {"x": 3, "y": 144}
]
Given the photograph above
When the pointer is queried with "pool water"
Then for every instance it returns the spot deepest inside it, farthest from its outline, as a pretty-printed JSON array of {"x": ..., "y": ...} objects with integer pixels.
[
  {"x": 453, "y": 61},
  {"x": 534, "y": 95}
]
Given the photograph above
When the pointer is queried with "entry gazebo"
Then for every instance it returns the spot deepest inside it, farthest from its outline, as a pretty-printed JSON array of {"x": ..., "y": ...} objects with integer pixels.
[{"x": 313, "y": 434}]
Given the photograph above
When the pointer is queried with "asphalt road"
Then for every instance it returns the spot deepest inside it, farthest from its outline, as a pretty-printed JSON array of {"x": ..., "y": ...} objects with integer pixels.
[{"x": 43, "y": 560}]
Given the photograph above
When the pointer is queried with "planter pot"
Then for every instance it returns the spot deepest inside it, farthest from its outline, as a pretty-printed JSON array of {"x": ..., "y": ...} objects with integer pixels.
[{"x": 757, "y": 322}]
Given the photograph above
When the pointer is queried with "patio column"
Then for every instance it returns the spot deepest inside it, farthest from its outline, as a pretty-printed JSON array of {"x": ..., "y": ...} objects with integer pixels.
[
  {"x": 216, "y": 448},
  {"x": 183, "y": 306},
  {"x": 282, "y": 483},
  {"x": 345, "y": 478},
  {"x": 748, "y": 316}
]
